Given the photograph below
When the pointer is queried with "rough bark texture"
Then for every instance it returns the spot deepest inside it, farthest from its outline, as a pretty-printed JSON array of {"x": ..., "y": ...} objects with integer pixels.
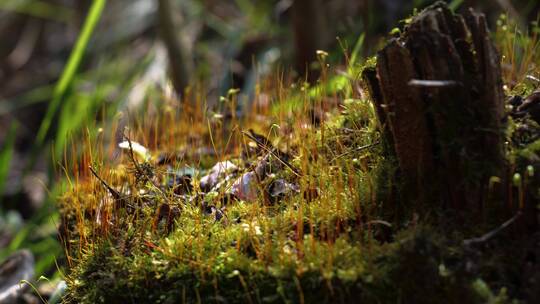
[{"x": 438, "y": 94}]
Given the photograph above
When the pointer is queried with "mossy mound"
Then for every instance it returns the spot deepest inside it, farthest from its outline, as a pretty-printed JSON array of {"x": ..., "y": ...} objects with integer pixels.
[
  {"x": 305, "y": 209},
  {"x": 416, "y": 268},
  {"x": 328, "y": 240}
]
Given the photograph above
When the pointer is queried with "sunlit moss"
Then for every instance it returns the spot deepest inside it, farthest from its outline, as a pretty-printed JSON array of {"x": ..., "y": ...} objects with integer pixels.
[{"x": 343, "y": 236}]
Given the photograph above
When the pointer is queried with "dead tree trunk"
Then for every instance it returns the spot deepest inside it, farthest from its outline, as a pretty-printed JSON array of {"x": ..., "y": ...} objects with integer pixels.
[{"x": 438, "y": 94}]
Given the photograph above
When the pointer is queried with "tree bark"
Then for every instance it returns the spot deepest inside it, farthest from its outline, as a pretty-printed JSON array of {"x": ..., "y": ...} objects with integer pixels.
[{"x": 438, "y": 94}]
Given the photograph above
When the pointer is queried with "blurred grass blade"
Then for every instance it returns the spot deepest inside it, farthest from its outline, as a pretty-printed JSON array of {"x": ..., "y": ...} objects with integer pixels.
[
  {"x": 37, "y": 95},
  {"x": 455, "y": 4},
  {"x": 39, "y": 9},
  {"x": 6, "y": 153},
  {"x": 80, "y": 108},
  {"x": 357, "y": 48},
  {"x": 69, "y": 71}
]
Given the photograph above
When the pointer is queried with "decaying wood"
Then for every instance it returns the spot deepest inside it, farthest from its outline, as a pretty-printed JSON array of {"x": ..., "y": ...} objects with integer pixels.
[{"x": 438, "y": 94}]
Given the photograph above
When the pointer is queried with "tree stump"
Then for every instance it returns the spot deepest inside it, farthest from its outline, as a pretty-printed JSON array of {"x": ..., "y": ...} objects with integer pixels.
[{"x": 437, "y": 90}]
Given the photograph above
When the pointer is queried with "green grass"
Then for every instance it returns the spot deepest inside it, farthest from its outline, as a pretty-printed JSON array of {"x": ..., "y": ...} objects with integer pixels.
[
  {"x": 69, "y": 72},
  {"x": 6, "y": 153},
  {"x": 40, "y": 9},
  {"x": 71, "y": 108}
]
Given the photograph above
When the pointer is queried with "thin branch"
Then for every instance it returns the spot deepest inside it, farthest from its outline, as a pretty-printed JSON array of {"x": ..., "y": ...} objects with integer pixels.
[
  {"x": 142, "y": 173},
  {"x": 486, "y": 237},
  {"x": 115, "y": 194},
  {"x": 355, "y": 150},
  {"x": 132, "y": 157},
  {"x": 273, "y": 150}
]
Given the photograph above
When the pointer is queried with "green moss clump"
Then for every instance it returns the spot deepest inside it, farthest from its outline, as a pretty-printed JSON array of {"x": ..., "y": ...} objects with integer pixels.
[
  {"x": 419, "y": 266},
  {"x": 341, "y": 235}
]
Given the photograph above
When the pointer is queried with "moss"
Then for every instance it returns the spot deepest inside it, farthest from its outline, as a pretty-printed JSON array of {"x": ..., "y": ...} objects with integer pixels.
[
  {"x": 319, "y": 251},
  {"x": 421, "y": 266},
  {"x": 344, "y": 236}
]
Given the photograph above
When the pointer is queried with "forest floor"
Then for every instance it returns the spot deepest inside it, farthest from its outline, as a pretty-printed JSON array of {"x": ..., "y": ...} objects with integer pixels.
[
  {"x": 288, "y": 195},
  {"x": 285, "y": 201}
]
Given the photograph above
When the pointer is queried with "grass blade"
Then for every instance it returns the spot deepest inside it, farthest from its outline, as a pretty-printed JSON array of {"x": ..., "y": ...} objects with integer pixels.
[
  {"x": 69, "y": 72},
  {"x": 39, "y": 9},
  {"x": 6, "y": 153},
  {"x": 455, "y": 4}
]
